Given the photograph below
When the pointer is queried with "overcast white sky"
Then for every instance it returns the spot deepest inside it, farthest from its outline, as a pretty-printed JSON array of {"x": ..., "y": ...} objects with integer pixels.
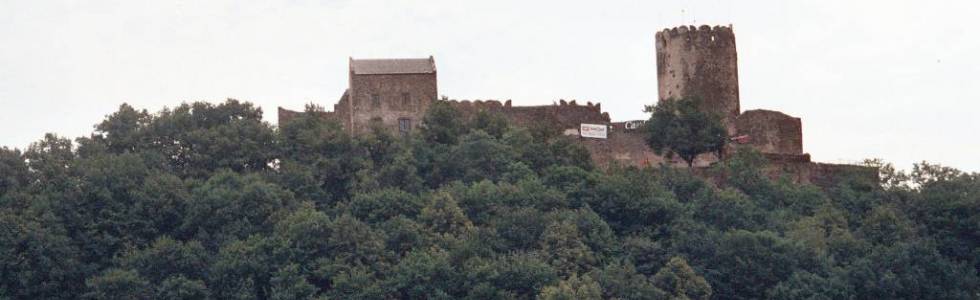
[{"x": 896, "y": 80}]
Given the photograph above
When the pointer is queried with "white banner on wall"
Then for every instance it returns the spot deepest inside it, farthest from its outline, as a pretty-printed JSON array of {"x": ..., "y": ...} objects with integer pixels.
[{"x": 594, "y": 131}]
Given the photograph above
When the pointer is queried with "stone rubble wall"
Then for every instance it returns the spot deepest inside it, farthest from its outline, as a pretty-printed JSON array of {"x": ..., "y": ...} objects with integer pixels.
[{"x": 700, "y": 62}]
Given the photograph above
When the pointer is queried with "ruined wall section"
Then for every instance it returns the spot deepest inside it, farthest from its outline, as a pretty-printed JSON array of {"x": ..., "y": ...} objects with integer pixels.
[
  {"x": 563, "y": 114},
  {"x": 628, "y": 147},
  {"x": 799, "y": 169},
  {"x": 622, "y": 146},
  {"x": 700, "y": 63},
  {"x": 391, "y": 89},
  {"x": 338, "y": 114},
  {"x": 771, "y": 131},
  {"x": 286, "y": 115},
  {"x": 341, "y": 109}
]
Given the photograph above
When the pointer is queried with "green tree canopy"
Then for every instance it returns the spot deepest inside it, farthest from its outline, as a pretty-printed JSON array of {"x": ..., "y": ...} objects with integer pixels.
[
  {"x": 207, "y": 201},
  {"x": 682, "y": 127}
]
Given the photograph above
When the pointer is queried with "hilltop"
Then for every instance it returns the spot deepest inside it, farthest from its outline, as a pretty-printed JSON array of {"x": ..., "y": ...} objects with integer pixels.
[{"x": 208, "y": 201}]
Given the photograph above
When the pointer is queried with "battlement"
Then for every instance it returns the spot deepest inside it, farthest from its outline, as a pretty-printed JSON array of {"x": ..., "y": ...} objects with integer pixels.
[
  {"x": 565, "y": 114},
  {"x": 496, "y": 104},
  {"x": 701, "y": 37}
]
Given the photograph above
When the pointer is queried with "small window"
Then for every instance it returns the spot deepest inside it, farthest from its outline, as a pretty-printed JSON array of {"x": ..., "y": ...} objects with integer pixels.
[
  {"x": 404, "y": 126},
  {"x": 406, "y": 100},
  {"x": 375, "y": 100}
]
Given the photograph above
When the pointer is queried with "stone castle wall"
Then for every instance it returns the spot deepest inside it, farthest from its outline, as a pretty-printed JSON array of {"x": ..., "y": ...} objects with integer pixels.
[
  {"x": 562, "y": 114},
  {"x": 700, "y": 63},
  {"x": 623, "y": 147},
  {"x": 392, "y": 105},
  {"x": 771, "y": 131},
  {"x": 692, "y": 62},
  {"x": 286, "y": 115},
  {"x": 800, "y": 169}
]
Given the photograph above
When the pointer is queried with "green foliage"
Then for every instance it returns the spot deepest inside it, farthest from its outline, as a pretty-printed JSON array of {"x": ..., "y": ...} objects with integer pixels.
[
  {"x": 288, "y": 283},
  {"x": 179, "y": 287},
  {"x": 381, "y": 205},
  {"x": 442, "y": 124},
  {"x": 681, "y": 127},
  {"x": 630, "y": 201},
  {"x": 681, "y": 282},
  {"x": 206, "y": 201},
  {"x": 622, "y": 281},
  {"x": 806, "y": 285},
  {"x": 424, "y": 274},
  {"x": 230, "y": 206},
  {"x": 523, "y": 274},
  {"x": 13, "y": 170},
  {"x": 118, "y": 284},
  {"x": 443, "y": 215},
  {"x": 566, "y": 249},
  {"x": 317, "y": 160},
  {"x": 747, "y": 264},
  {"x": 167, "y": 258},
  {"x": 573, "y": 288}
]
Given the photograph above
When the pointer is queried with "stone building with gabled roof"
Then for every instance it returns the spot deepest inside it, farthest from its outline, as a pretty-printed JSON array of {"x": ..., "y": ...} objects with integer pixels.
[{"x": 393, "y": 93}]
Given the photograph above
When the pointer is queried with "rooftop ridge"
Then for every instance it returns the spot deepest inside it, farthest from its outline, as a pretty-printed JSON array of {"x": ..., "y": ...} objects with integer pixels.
[{"x": 372, "y": 66}]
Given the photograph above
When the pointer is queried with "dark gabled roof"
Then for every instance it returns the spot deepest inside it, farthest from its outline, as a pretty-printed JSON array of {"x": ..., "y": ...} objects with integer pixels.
[{"x": 393, "y": 66}]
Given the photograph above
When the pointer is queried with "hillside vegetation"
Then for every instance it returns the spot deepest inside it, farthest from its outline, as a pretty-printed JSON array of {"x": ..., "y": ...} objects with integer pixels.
[{"x": 206, "y": 201}]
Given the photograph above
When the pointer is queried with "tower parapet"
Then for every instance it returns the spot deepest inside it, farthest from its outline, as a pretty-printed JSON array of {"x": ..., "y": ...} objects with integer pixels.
[{"x": 700, "y": 62}]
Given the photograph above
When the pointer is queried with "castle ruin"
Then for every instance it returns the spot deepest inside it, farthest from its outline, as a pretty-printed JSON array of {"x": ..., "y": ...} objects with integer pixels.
[{"x": 692, "y": 62}]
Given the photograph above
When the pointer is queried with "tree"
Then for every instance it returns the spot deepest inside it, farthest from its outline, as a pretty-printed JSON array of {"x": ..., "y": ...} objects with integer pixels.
[
  {"x": 37, "y": 260},
  {"x": 288, "y": 283},
  {"x": 491, "y": 123},
  {"x": 573, "y": 288},
  {"x": 50, "y": 158},
  {"x": 681, "y": 282},
  {"x": 123, "y": 131},
  {"x": 681, "y": 127},
  {"x": 118, "y": 284},
  {"x": 318, "y": 159},
  {"x": 243, "y": 269},
  {"x": 747, "y": 264},
  {"x": 443, "y": 215},
  {"x": 563, "y": 244},
  {"x": 197, "y": 139},
  {"x": 13, "y": 170},
  {"x": 629, "y": 202},
  {"x": 380, "y": 205},
  {"x": 192, "y": 203},
  {"x": 620, "y": 280},
  {"x": 181, "y": 288},
  {"x": 424, "y": 274},
  {"x": 231, "y": 206},
  {"x": 806, "y": 285},
  {"x": 442, "y": 123},
  {"x": 167, "y": 258},
  {"x": 522, "y": 273},
  {"x": 909, "y": 270}
]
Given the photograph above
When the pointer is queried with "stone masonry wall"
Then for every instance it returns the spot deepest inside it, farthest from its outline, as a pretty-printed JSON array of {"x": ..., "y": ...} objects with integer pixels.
[
  {"x": 421, "y": 90},
  {"x": 623, "y": 147},
  {"x": 563, "y": 114},
  {"x": 692, "y": 62},
  {"x": 285, "y": 115},
  {"x": 771, "y": 131},
  {"x": 700, "y": 63}
]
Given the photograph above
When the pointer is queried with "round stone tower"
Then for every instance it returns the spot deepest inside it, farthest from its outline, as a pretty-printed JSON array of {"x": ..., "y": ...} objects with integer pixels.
[{"x": 700, "y": 63}]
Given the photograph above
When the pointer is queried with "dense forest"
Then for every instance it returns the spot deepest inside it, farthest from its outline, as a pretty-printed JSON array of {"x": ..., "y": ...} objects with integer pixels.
[{"x": 207, "y": 201}]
